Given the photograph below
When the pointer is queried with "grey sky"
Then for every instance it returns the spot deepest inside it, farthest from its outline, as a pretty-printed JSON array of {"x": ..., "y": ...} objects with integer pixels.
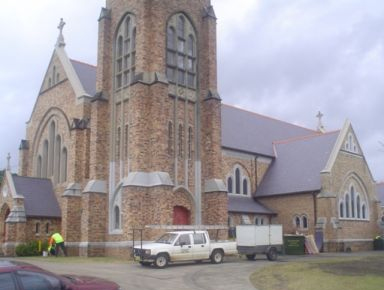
[{"x": 287, "y": 59}]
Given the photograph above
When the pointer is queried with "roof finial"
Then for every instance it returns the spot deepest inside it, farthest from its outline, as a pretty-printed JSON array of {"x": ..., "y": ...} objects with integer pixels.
[
  {"x": 9, "y": 162},
  {"x": 60, "y": 39},
  {"x": 320, "y": 126}
]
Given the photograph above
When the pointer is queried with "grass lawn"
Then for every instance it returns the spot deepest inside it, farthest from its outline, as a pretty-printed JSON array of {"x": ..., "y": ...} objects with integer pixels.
[{"x": 348, "y": 273}]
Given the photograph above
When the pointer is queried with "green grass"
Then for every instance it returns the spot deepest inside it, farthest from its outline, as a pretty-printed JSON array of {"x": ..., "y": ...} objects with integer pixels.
[
  {"x": 76, "y": 260},
  {"x": 365, "y": 273}
]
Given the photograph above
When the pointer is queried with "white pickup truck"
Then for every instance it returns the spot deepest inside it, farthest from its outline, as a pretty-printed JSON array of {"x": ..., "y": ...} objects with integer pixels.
[{"x": 183, "y": 246}]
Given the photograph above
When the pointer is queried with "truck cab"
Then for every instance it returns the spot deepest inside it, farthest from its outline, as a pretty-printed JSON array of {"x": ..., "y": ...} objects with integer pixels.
[{"x": 182, "y": 246}]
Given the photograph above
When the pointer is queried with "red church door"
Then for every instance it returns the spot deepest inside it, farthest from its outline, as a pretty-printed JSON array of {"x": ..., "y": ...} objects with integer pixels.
[{"x": 181, "y": 216}]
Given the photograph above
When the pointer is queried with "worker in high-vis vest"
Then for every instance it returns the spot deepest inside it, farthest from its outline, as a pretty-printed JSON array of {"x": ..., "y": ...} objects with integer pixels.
[{"x": 57, "y": 240}]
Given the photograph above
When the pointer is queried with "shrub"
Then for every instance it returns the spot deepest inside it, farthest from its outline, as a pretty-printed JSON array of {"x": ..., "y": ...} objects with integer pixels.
[{"x": 30, "y": 249}]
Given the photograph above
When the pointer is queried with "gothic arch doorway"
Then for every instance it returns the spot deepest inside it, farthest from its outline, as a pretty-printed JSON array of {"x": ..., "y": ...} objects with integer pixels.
[{"x": 181, "y": 216}]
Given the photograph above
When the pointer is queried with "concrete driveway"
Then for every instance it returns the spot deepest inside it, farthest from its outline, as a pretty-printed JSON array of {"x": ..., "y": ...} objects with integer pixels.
[{"x": 232, "y": 274}]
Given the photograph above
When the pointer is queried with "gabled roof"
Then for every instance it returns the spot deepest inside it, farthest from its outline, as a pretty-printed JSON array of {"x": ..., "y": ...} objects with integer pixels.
[
  {"x": 250, "y": 132},
  {"x": 39, "y": 197},
  {"x": 243, "y": 204},
  {"x": 87, "y": 76},
  {"x": 298, "y": 165},
  {"x": 380, "y": 192}
]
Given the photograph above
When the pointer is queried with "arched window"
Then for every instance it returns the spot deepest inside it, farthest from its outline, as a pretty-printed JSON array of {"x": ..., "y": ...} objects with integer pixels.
[
  {"x": 126, "y": 132},
  {"x": 257, "y": 221},
  {"x": 230, "y": 185},
  {"x": 47, "y": 228},
  {"x": 358, "y": 206},
  {"x": 237, "y": 180},
  {"x": 63, "y": 171},
  {"x": 37, "y": 228},
  {"x": 54, "y": 75},
  {"x": 118, "y": 141},
  {"x": 38, "y": 166},
  {"x": 57, "y": 167},
  {"x": 44, "y": 172},
  {"x": 364, "y": 211},
  {"x": 116, "y": 217},
  {"x": 170, "y": 138},
  {"x": 341, "y": 209},
  {"x": 353, "y": 201},
  {"x": 125, "y": 53},
  {"x": 305, "y": 222},
  {"x": 189, "y": 142},
  {"x": 180, "y": 141},
  {"x": 51, "y": 148},
  {"x": 297, "y": 221},
  {"x": 347, "y": 206},
  {"x": 245, "y": 187},
  {"x": 181, "y": 51}
]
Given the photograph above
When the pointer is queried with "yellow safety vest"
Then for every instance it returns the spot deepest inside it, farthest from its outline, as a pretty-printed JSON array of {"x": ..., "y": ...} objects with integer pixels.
[{"x": 57, "y": 238}]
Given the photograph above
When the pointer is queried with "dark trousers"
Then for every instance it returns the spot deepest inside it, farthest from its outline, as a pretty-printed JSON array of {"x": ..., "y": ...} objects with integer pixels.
[{"x": 62, "y": 247}]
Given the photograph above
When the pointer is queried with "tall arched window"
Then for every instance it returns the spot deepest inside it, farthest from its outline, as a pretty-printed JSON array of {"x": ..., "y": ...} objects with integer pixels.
[
  {"x": 364, "y": 211},
  {"x": 116, "y": 218},
  {"x": 181, "y": 47},
  {"x": 347, "y": 206},
  {"x": 180, "y": 140},
  {"x": 237, "y": 181},
  {"x": 341, "y": 209},
  {"x": 170, "y": 138},
  {"x": 125, "y": 53},
  {"x": 230, "y": 185},
  {"x": 304, "y": 222},
  {"x": 57, "y": 167},
  {"x": 118, "y": 143},
  {"x": 44, "y": 172},
  {"x": 353, "y": 201},
  {"x": 245, "y": 187},
  {"x": 51, "y": 149},
  {"x": 37, "y": 228},
  {"x": 358, "y": 206},
  {"x": 38, "y": 167},
  {"x": 63, "y": 171},
  {"x": 190, "y": 142}
]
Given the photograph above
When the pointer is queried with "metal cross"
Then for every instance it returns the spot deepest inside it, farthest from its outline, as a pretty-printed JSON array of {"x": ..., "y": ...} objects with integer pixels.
[{"x": 61, "y": 25}]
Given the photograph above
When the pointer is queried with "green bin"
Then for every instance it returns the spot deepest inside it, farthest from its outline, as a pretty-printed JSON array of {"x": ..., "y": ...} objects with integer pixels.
[
  {"x": 378, "y": 244},
  {"x": 294, "y": 245}
]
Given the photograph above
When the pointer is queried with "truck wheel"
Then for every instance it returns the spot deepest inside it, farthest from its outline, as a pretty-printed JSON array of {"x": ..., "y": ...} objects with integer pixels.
[
  {"x": 145, "y": 264},
  {"x": 251, "y": 257},
  {"x": 217, "y": 257},
  {"x": 161, "y": 261},
  {"x": 272, "y": 254}
]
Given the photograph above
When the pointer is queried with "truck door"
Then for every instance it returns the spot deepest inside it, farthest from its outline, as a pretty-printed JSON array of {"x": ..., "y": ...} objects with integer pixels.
[
  {"x": 182, "y": 249},
  {"x": 200, "y": 246}
]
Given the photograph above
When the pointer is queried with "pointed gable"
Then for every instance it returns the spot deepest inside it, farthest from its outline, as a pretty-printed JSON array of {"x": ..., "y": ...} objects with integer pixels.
[
  {"x": 298, "y": 165},
  {"x": 39, "y": 197}
]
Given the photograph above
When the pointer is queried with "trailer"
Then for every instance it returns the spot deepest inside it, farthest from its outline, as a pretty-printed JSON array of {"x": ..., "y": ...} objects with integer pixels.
[{"x": 254, "y": 239}]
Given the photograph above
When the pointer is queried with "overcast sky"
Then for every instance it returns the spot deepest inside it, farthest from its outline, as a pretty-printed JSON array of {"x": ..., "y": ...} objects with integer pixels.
[{"x": 287, "y": 59}]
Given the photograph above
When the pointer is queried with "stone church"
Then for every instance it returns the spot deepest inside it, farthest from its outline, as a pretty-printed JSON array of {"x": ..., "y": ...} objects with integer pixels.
[{"x": 143, "y": 141}]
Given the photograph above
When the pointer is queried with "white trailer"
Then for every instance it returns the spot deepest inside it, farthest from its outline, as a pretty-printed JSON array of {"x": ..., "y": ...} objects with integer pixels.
[{"x": 253, "y": 239}]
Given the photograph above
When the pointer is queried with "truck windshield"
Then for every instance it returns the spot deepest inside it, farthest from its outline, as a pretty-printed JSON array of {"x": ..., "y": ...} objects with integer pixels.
[{"x": 166, "y": 238}]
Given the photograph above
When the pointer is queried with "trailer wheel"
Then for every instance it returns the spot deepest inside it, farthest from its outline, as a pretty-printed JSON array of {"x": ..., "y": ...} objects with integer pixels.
[
  {"x": 272, "y": 254},
  {"x": 161, "y": 261},
  {"x": 217, "y": 256},
  {"x": 251, "y": 257}
]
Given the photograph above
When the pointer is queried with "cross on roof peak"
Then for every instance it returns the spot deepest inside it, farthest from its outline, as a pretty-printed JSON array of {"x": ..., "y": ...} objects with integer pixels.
[{"x": 60, "y": 39}]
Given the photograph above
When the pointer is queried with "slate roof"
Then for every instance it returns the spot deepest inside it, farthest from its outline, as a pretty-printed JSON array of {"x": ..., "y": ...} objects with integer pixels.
[
  {"x": 298, "y": 165},
  {"x": 251, "y": 132},
  {"x": 39, "y": 197},
  {"x": 380, "y": 192},
  {"x": 87, "y": 76},
  {"x": 247, "y": 205}
]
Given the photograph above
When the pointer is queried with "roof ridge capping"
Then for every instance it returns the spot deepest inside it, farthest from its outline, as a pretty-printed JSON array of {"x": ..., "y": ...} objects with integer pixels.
[
  {"x": 304, "y": 137},
  {"x": 268, "y": 117}
]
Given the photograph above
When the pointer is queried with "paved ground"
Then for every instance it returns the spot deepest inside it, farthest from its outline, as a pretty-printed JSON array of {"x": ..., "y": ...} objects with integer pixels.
[{"x": 232, "y": 274}]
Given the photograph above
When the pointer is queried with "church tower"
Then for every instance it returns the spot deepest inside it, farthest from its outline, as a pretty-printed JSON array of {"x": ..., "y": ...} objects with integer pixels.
[{"x": 156, "y": 119}]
